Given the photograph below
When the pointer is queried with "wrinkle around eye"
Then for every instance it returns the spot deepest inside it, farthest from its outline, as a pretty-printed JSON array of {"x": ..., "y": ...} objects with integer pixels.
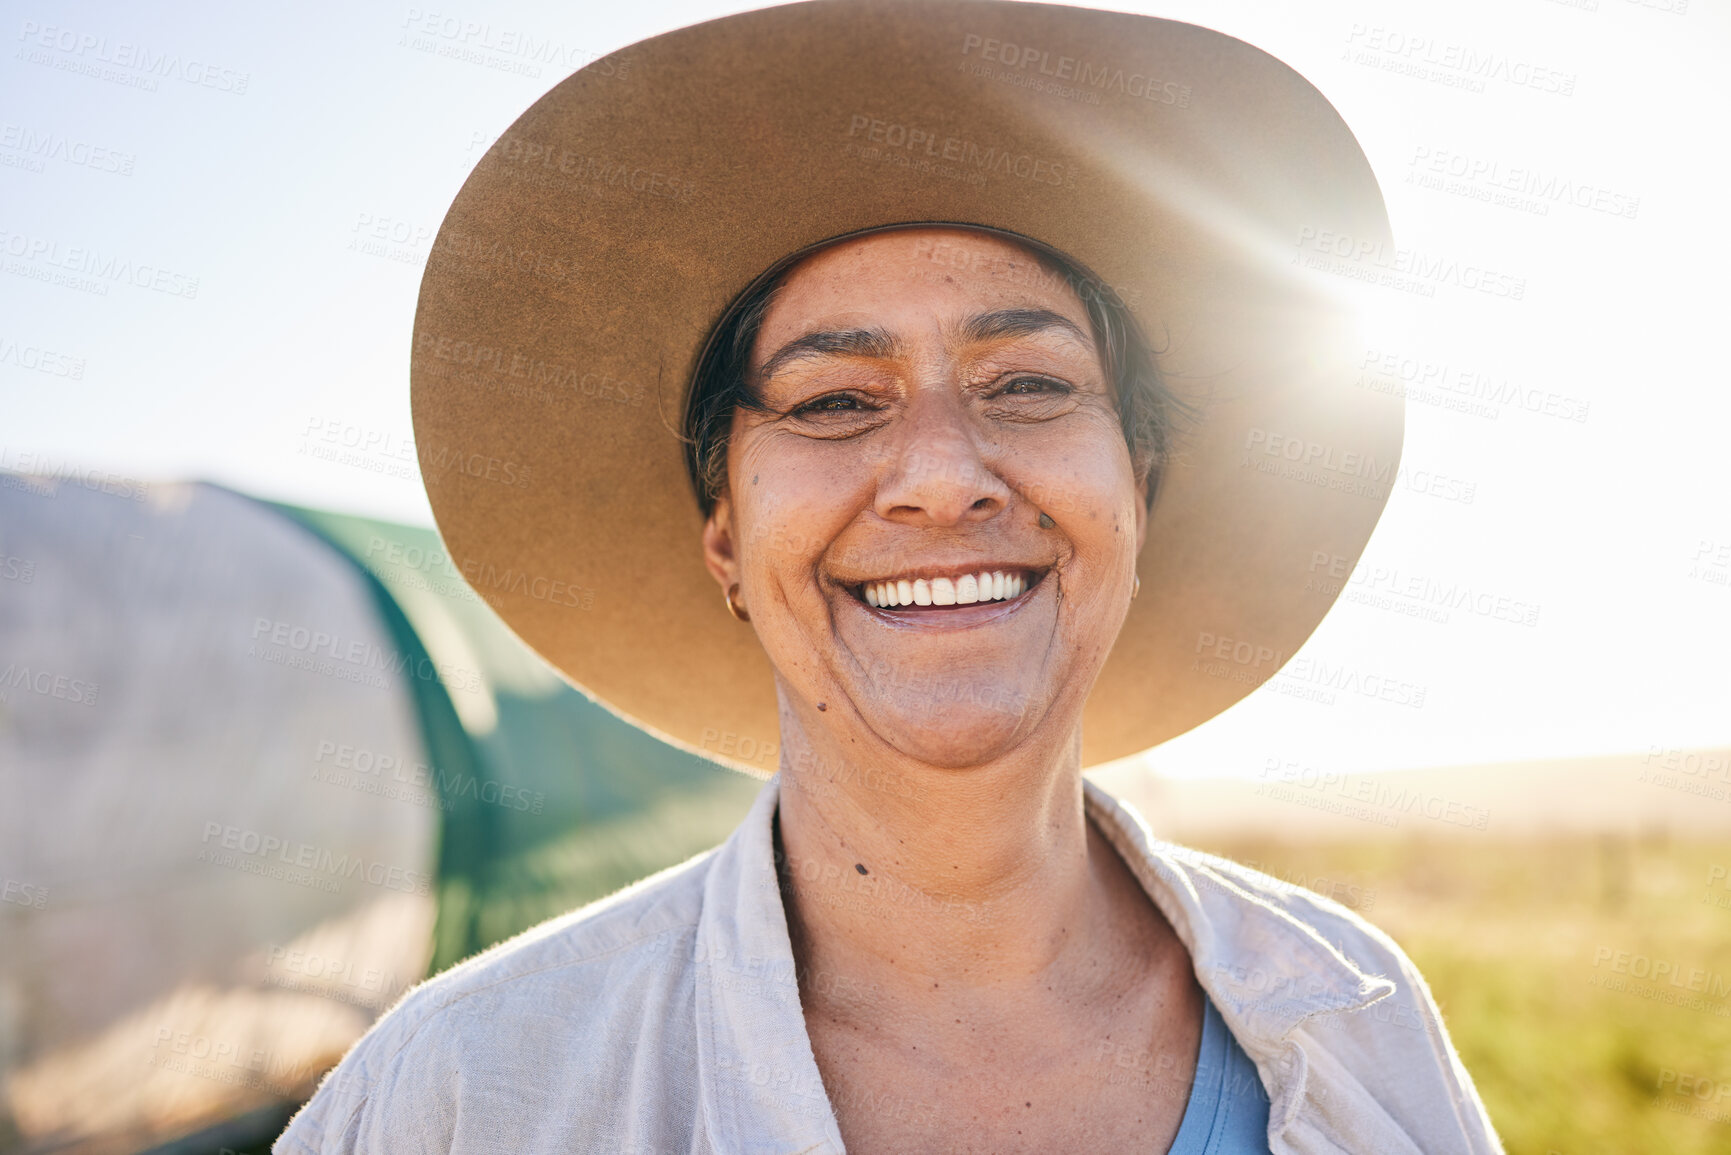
[
  {"x": 833, "y": 424},
  {"x": 1042, "y": 405}
]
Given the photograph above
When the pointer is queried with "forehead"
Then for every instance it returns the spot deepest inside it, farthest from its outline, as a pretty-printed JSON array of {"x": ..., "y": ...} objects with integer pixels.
[{"x": 893, "y": 278}]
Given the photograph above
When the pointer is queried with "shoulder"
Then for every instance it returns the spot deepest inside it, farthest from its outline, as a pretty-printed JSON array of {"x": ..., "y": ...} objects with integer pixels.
[{"x": 534, "y": 1022}]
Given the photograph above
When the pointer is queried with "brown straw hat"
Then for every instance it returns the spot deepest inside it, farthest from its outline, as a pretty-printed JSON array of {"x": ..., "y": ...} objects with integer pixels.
[{"x": 596, "y": 245}]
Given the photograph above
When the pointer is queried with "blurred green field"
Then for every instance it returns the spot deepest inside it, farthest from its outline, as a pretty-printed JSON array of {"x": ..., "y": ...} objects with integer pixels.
[{"x": 1542, "y": 954}]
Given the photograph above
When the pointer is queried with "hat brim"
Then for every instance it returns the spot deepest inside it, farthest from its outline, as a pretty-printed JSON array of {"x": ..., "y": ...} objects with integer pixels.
[{"x": 585, "y": 261}]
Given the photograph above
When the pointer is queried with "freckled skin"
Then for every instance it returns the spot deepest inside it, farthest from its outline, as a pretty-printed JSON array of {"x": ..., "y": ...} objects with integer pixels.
[
  {"x": 998, "y": 972},
  {"x": 940, "y": 470}
]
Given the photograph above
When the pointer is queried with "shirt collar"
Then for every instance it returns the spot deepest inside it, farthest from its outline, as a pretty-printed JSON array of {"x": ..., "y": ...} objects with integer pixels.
[
  {"x": 758, "y": 1084},
  {"x": 1265, "y": 970}
]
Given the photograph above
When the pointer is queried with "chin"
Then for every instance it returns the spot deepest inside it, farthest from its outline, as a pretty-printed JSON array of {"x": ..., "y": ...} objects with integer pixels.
[{"x": 953, "y": 735}]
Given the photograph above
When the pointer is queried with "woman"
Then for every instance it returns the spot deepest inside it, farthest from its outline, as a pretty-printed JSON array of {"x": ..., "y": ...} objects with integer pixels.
[{"x": 929, "y": 446}]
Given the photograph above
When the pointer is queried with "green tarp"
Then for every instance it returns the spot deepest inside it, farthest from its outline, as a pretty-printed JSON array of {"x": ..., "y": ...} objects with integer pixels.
[{"x": 548, "y": 800}]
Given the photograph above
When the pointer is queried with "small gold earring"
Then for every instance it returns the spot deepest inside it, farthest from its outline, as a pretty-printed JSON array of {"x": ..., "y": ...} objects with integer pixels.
[
  {"x": 1135, "y": 586},
  {"x": 733, "y": 607}
]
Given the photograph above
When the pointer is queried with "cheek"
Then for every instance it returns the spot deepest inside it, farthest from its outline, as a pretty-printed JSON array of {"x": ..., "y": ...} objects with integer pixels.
[
  {"x": 1083, "y": 482},
  {"x": 791, "y": 500}
]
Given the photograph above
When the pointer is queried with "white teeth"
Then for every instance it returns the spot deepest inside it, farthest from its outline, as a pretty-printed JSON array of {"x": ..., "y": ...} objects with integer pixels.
[{"x": 986, "y": 586}]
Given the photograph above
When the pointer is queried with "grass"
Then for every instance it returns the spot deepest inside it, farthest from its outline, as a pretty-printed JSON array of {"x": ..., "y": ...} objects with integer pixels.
[{"x": 1520, "y": 942}]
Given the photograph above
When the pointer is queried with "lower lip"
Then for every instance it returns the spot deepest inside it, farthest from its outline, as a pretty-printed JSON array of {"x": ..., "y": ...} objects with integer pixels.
[{"x": 960, "y": 617}]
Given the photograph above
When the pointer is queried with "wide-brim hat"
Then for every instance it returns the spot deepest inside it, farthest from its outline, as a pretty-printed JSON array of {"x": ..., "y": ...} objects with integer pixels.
[{"x": 596, "y": 245}]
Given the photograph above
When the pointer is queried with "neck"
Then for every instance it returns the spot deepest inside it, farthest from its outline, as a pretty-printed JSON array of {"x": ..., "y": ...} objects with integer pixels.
[{"x": 931, "y": 879}]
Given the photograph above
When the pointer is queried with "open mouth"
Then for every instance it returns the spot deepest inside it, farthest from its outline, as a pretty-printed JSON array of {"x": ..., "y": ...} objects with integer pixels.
[{"x": 946, "y": 590}]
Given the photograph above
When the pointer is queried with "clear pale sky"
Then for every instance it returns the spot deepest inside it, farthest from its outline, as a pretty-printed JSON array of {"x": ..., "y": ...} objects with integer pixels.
[{"x": 295, "y": 163}]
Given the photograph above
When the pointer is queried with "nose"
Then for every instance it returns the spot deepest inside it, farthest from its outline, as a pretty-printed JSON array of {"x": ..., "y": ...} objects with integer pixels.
[{"x": 937, "y": 475}]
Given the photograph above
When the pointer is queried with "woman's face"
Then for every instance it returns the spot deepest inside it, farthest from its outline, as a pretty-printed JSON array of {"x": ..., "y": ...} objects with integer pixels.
[{"x": 930, "y": 393}]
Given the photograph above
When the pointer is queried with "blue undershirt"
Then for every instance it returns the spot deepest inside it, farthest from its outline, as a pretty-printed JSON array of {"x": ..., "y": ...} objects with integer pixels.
[{"x": 1228, "y": 1109}]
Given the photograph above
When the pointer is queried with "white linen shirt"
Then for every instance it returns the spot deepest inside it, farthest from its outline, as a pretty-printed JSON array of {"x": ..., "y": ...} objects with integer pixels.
[{"x": 666, "y": 1018}]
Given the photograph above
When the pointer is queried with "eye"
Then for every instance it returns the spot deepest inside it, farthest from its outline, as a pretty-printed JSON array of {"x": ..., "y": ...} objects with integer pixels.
[
  {"x": 1026, "y": 385},
  {"x": 836, "y": 416},
  {"x": 832, "y": 403},
  {"x": 1024, "y": 397}
]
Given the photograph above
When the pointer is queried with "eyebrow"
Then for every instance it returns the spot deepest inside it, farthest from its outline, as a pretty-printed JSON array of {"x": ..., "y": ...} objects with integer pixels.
[
  {"x": 832, "y": 343},
  {"x": 996, "y": 326},
  {"x": 878, "y": 343}
]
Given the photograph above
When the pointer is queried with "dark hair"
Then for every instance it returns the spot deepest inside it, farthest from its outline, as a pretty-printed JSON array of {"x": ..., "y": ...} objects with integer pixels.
[{"x": 1147, "y": 410}]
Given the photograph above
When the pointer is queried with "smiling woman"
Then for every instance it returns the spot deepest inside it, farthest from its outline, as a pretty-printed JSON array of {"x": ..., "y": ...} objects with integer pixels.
[
  {"x": 963, "y": 555},
  {"x": 894, "y": 421}
]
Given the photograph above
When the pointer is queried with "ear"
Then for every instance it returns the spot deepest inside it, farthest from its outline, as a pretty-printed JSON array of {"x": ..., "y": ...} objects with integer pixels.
[
  {"x": 1148, "y": 479},
  {"x": 718, "y": 546}
]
